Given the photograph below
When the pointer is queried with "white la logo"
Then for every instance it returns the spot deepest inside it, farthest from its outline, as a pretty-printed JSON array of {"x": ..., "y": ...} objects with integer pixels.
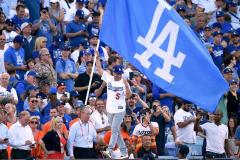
[{"x": 153, "y": 47}]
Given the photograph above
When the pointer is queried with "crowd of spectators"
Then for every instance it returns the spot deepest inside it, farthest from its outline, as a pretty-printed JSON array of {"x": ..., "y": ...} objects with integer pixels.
[{"x": 47, "y": 48}]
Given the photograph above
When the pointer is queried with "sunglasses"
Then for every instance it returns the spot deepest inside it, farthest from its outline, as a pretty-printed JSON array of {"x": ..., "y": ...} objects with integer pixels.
[
  {"x": 34, "y": 122},
  {"x": 34, "y": 101},
  {"x": 10, "y": 24}
]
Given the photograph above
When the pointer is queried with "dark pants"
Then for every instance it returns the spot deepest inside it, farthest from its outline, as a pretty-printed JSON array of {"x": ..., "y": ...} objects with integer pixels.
[
  {"x": 3, "y": 154},
  {"x": 79, "y": 152},
  {"x": 20, "y": 154},
  {"x": 214, "y": 155}
]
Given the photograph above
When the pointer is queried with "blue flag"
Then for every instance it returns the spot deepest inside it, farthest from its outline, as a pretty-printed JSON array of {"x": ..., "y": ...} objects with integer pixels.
[{"x": 154, "y": 38}]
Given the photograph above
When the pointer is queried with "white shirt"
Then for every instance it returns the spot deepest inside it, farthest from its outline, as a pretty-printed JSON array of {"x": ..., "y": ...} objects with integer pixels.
[
  {"x": 116, "y": 94},
  {"x": 99, "y": 121},
  {"x": 208, "y": 5},
  {"x": 9, "y": 37},
  {"x": 140, "y": 130},
  {"x": 215, "y": 136},
  {"x": 185, "y": 134},
  {"x": 235, "y": 21},
  {"x": 5, "y": 93},
  {"x": 18, "y": 135},
  {"x": 2, "y": 67},
  {"x": 69, "y": 16},
  {"x": 3, "y": 135},
  {"x": 65, "y": 7},
  {"x": 81, "y": 135},
  {"x": 59, "y": 95}
]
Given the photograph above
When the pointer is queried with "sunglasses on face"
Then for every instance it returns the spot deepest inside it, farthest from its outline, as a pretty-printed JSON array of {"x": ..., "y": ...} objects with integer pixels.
[
  {"x": 34, "y": 122},
  {"x": 34, "y": 101},
  {"x": 10, "y": 24}
]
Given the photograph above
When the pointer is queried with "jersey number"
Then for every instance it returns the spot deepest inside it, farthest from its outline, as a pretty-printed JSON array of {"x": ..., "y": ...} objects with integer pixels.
[{"x": 117, "y": 96}]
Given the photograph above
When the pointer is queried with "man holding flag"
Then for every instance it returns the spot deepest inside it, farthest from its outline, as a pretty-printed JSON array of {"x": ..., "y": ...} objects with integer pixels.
[
  {"x": 154, "y": 38},
  {"x": 118, "y": 90}
]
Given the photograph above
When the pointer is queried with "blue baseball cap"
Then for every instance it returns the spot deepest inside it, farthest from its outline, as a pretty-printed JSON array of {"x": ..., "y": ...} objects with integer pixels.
[
  {"x": 80, "y": 14},
  {"x": 79, "y": 104},
  {"x": 60, "y": 102},
  {"x": 232, "y": 4},
  {"x": 216, "y": 33},
  {"x": 235, "y": 33},
  {"x": 80, "y": 1},
  {"x": 227, "y": 70},
  {"x": 66, "y": 47},
  {"x": 74, "y": 94},
  {"x": 207, "y": 27},
  {"x": 53, "y": 90},
  {"x": 219, "y": 14},
  {"x": 92, "y": 95},
  {"x": 233, "y": 81},
  {"x": 32, "y": 73},
  {"x": 89, "y": 50},
  {"x": 217, "y": 25},
  {"x": 118, "y": 69},
  {"x": 9, "y": 21},
  {"x": 18, "y": 39},
  {"x": 181, "y": 8}
]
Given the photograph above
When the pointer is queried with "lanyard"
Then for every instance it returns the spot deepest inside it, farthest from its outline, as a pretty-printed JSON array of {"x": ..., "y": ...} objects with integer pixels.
[{"x": 82, "y": 129}]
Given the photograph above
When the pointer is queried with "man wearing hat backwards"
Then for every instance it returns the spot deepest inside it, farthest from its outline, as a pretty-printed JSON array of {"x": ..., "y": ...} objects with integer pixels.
[{"x": 117, "y": 91}]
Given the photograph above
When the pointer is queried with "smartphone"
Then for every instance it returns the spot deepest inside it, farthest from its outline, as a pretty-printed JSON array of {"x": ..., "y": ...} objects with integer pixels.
[{"x": 131, "y": 75}]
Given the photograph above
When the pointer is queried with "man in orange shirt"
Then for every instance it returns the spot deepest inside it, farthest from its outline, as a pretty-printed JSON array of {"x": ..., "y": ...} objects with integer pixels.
[{"x": 47, "y": 126}]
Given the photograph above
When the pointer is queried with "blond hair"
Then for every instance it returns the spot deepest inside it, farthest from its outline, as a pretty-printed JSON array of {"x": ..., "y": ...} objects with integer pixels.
[
  {"x": 54, "y": 122},
  {"x": 38, "y": 43}
]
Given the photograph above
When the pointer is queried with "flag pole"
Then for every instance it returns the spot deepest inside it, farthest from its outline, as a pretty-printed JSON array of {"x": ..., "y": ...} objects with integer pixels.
[{"x": 93, "y": 67}]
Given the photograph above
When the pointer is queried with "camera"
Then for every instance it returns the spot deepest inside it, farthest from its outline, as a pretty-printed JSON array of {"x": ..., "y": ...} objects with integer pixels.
[{"x": 154, "y": 107}]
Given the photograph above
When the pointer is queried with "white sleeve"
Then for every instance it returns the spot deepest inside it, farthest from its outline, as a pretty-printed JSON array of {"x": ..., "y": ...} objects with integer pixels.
[
  {"x": 71, "y": 137},
  {"x": 177, "y": 118},
  {"x": 135, "y": 131},
  {"x": 14, "y": 94},
  {"x": 155, "y": 124},
  {"x": 105, "y": 76}
]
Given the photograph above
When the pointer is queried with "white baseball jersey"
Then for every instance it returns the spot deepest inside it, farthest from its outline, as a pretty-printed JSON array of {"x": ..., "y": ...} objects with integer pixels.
[{"x": 115, "y": 94}]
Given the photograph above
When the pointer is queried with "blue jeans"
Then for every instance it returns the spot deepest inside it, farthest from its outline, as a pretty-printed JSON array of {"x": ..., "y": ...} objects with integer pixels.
[{"x": 115, "y": 121}]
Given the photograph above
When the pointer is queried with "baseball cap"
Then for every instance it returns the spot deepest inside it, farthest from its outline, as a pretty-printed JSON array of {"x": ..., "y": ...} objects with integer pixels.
[
  {"x": 18, "y": 39},
  {"x": 217, "y": 25},
  {"x": 34, "y": 117},
  {"x": 25, "y": 24},
  {"x": 92, "y": 95},
  {"x": 79, "y": 104},
  {"x": 9, "y": 21},
  {"x": 181, "y": 8},
  {"x": 80, "y": 1},
  {"x": 32, "y": 73},
  {"x": 136, "y": 73},
  {"x": 89, "y": 50},
  {"x": 233, "y": 81},
  {"x": 74, "y": 94},
  {"x": 59, "y": 102},
  {"x": 184, "y": 101},
  {"x": 80, "y": 14},
  {"x": 66, "y": 47},
  {"x": 227, "y": 70},
  {"x": 60, "y": 84},
  {"x": 53, "y": 90},
  {"x": 232, "y": 4},
  {"x": 235, "y": 33},
  {"x": 219, "y": 14},
  {"x": 207, "y": 27},
  {"x": 118, "y": 69},
  {"x": 216, "y": 33}
]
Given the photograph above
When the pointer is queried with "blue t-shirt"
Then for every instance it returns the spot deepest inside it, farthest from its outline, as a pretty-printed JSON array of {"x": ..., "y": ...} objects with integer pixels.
[
  {"x": 66, "y": 120},
  {"x": 18, "y": 21},
  {"x": 231, "y": 48},
  {"x": 73, "y": 27},
  {"x": 16, "y": 58},
  {"x": 66, "y": 66},
  {"x": 55, "y": 53},
  {"x": 45, "y": 31},
  {"x": 168, "y": 101},
  {"x": 237, "y": 134},
  {"x": 36, "y": 113},
  {"x": 217, "y": 55}
]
